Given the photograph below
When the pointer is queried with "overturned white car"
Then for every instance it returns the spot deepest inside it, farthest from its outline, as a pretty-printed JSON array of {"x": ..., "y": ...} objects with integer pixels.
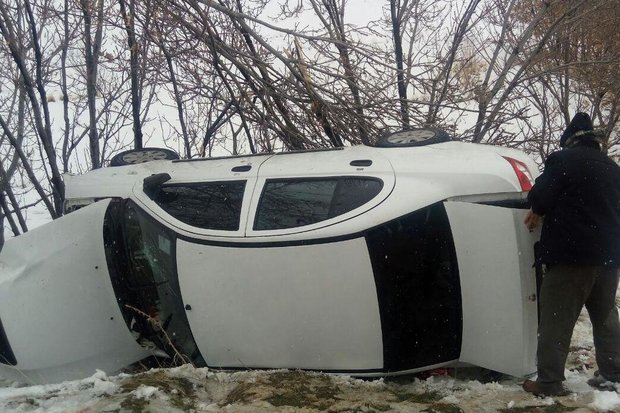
[{"x": 361, "y": 260}]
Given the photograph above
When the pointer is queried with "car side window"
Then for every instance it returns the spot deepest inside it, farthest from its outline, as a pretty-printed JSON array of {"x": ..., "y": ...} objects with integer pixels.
[
  {"x": 290, "y": 203},
  {"x": 208, "y": 205}
]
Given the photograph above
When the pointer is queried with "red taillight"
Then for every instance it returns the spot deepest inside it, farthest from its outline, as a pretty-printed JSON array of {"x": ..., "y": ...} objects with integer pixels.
[{"x": 523, "y": 174}]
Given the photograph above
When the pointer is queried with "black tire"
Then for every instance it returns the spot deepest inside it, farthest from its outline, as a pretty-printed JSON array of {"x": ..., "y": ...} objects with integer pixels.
[
  {"x": 413, "y": 137},
  {"x": 136, "y": 156}
]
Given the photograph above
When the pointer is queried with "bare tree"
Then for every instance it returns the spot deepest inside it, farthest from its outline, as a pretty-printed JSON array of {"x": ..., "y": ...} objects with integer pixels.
[
  {"x": 577, "y": 65},
  {"x": 441, "y": 83},
  {"x": 66, "y": 30},
  {"x": 92, "y": 10},
  {"x": 399, "y": 13},
  {"x": 128, "y": 12},
  {"x": 34, "y": 87},
  {"x": 523, "y": 51},
  {"x": 245, "y": 76},
  {"x": 331, "y": 14}
]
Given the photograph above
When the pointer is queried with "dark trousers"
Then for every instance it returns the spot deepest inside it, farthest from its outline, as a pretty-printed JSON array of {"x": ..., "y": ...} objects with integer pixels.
[{"x": 565, "y": 290}]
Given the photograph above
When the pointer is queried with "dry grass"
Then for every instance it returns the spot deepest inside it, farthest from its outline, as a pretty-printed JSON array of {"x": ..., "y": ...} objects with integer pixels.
[
  {"x": 181, "y": 391},
  {"x": 554, "y": 408}
]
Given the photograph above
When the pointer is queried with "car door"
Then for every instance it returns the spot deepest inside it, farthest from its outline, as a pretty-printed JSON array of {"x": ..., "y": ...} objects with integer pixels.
[
  {"x": 495, "y": 257},
  {"x": 293, "y": 294}
]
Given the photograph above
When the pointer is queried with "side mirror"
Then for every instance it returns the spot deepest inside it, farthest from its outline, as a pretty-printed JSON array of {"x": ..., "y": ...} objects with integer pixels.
[{"x": 152, "y": 184}]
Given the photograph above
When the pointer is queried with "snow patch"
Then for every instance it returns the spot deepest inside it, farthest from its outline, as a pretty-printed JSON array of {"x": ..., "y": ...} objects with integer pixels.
[
  {"x": 605, "y": 401},
  {"x": 145, "y": 392}
]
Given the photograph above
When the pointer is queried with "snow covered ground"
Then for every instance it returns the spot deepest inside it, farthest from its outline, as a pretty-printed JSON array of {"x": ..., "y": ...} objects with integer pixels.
[{"x": 202, "y": 390}]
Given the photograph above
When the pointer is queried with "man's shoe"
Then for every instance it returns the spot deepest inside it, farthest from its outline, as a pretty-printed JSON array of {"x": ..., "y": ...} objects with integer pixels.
[
  {"x": 545, "y": 389},
  {"x": 601, "y": 382}
]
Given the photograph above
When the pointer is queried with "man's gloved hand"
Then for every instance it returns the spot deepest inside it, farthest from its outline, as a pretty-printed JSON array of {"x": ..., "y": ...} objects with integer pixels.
[{"x": 532, "y": 220}]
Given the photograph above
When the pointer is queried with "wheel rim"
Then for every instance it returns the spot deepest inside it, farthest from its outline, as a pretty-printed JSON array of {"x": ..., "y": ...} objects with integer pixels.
[
  {"x": 144, "y": 156},
  {"x": 410, "y": 136}
]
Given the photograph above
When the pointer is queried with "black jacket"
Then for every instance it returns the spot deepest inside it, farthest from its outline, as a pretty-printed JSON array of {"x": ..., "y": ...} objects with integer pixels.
[{"x": 579, "y": 196}]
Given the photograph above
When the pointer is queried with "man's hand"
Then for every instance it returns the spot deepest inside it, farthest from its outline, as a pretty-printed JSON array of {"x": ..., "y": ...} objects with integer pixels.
[{"x": 531, "y": 220}]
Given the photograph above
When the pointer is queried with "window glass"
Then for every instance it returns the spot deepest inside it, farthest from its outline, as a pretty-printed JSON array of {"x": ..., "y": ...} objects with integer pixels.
[
  {"x": 294, "y": 203},
  {"x": 140, "y": 255},
  {"x": 209, "y": 205}
]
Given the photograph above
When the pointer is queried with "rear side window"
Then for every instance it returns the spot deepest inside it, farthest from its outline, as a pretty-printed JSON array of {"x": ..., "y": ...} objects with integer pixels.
[
  {"x": 208, "y": 205},
  {"x": 290, "y": 203}
]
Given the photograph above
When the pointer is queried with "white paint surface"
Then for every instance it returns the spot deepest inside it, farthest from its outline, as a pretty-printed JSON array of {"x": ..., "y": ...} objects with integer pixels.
[
  {"x": 57, "y": 304},
  {"x": 312, "y": 307},
  {"x": 498, "y": 284}
]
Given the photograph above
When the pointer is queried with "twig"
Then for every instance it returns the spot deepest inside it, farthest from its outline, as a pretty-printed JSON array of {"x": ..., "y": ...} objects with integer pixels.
[{"x": 157, "y": 326}]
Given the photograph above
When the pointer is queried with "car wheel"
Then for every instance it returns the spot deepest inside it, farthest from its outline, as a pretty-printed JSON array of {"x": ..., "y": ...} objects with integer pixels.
[
  {"x": 135, "y": 156},
  {"x": 413, "y": 137}
]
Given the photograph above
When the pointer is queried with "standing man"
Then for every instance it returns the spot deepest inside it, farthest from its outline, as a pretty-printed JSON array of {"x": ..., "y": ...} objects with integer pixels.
[{"x": 578, "y": 194}]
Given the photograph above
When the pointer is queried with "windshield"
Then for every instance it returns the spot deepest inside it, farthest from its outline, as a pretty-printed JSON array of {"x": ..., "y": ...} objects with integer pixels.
[{"x": 141, "y": 258}]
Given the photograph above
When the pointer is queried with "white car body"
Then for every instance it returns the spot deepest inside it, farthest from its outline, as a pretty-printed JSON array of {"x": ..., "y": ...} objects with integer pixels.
[{"x": 360, "y": 292}]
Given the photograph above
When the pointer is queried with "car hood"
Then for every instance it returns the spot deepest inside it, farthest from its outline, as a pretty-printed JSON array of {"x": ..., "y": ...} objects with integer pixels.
[
  {"x": 51, "y": 248},
  {"x": 57, "y": 304}
]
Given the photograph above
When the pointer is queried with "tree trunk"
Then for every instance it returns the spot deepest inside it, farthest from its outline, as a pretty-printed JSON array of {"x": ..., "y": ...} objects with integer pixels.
[
  {"x": 63, "y": 85},
  {"x": 134, "y": 64},
  {"x": 93, "y": 47},
  {"x": 396, "y": 16}
]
